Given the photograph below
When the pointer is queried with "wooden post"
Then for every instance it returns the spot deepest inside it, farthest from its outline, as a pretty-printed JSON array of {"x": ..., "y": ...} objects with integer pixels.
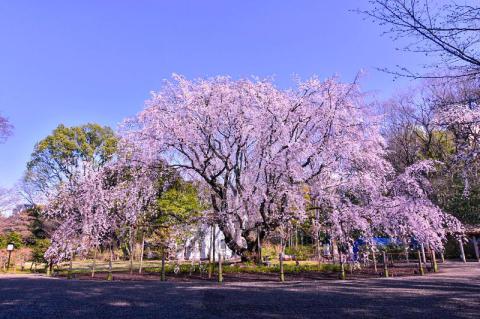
[
  {"x": 282, "y": 275},
  {"x": 110, "y": 275},
  {"x": 442, "y": 256},
  {"x": 94, "y": 263},
  {"x": 424, "y": 258},
  {"x": 192, "y": 267},
  {"x": 434, "y": 260},
  {"x": 475, "y": 246},
  {"x": 132, "y": 248},
  {"x": 220, "y": 270},
  {"x": 335, "y": 251},
  {"x": 317, "y": 235},
  {"x": 214, "y": 244},
  {"x": 342, "y": 267},
  {"x": 162, "y": 271},
  {"x": 201, "y": 240},
  {"x": 259, "y": 246},
  {"x": 49, "y": 268},
  {"x": 141, "y": 253},
  {"x": 420, "y": 264},
  {"x": 69, "y": 276},
  {"x": 374, "y": 261},
  {"x": 9, "y": 257},
  {"x": 462, "y": 251},
  {"x": 385, "y": 267},
  {"x": 296, "y": 237},
  {"x": 319, "y": 252},
  {"x": 210, "y": 253}
]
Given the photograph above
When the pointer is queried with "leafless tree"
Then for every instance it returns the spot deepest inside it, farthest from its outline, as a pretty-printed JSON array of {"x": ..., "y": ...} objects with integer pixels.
[
  {"x": 5, "y": 129},
  {"x": 448, "y": 30},
  {"x": 411, "y": 129}
]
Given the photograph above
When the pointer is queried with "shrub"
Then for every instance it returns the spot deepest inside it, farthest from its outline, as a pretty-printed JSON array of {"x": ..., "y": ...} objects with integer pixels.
[
  {"x": 39, "y": 249},
  {"x": 11, "y": 237},
  {"x": 300, "y": 252}
]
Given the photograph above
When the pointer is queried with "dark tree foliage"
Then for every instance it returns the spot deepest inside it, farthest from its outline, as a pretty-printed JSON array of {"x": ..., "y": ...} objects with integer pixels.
[
  {"x": 28, "y": 223},
  {"x": 57, "y": 157}
]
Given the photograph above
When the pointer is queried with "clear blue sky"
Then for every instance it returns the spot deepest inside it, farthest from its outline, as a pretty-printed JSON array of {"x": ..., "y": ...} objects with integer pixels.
[{"x": 74, "y": 62}]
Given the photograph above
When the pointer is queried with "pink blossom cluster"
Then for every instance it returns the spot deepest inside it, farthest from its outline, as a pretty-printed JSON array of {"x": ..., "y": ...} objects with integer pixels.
[
  {"x": 264, "y": 158},
  {"x": 265, "y": 154},
  {"x": 99, "y": 206}
]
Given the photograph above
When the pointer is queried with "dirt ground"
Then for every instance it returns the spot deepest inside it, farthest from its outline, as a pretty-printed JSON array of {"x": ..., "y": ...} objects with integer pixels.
[{"x": 454, "y": 292}]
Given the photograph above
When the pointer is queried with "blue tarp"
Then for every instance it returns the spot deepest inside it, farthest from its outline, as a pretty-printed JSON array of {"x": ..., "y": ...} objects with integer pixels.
[{"x": 378, "y": 241}]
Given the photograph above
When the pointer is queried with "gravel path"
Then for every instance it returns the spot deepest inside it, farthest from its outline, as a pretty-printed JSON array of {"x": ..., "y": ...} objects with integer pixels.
[{"x": 454, "y": 293}]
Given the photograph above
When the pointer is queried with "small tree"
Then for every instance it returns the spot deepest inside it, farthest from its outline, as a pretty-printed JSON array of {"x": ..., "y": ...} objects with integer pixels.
[{"x": 5, "y": 129}]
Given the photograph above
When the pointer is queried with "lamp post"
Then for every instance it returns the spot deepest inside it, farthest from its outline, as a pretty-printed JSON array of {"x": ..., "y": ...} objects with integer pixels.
[{"x": 10, "y": 247}]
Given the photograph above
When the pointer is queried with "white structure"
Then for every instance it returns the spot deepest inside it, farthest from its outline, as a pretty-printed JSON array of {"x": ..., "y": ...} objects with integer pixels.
[{"x": 198, "y": 247}]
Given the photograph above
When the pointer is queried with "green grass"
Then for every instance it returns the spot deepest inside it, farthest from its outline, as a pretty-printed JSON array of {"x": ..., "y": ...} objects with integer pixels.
[
  {"x": 84, "y": 267},
  {"x": 287, "y": 268}
]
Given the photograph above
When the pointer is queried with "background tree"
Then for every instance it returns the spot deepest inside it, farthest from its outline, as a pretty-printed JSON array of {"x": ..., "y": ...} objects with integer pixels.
[
  {"x": 5, "y": 129},
  {"x": 439, "y": 120},
  {"x": 449, "y": 30},
  {"x": 116, "y": 204},
  {"x": 411, "y": 129},
  {"x": 178, "y": 215},
  {"x": 59, "y": 156}
]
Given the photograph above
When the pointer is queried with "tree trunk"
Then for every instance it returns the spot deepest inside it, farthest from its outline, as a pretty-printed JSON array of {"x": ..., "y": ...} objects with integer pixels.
[
  {"x": 110, "y": 276},
  {"x": 424, "y": 258},
  {"x": 132, "y": 248},
  {"x": 462, "y": 251},
  {"x": 141, "y": 254},
  {"x": 162, "y": 278},
  {"x": 248, "y": 252},
  {"x": 93, "y": 264}
]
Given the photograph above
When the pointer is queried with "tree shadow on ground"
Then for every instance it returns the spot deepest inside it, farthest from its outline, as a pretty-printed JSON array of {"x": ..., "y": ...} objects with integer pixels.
[{"x": 412, "y": 297}]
